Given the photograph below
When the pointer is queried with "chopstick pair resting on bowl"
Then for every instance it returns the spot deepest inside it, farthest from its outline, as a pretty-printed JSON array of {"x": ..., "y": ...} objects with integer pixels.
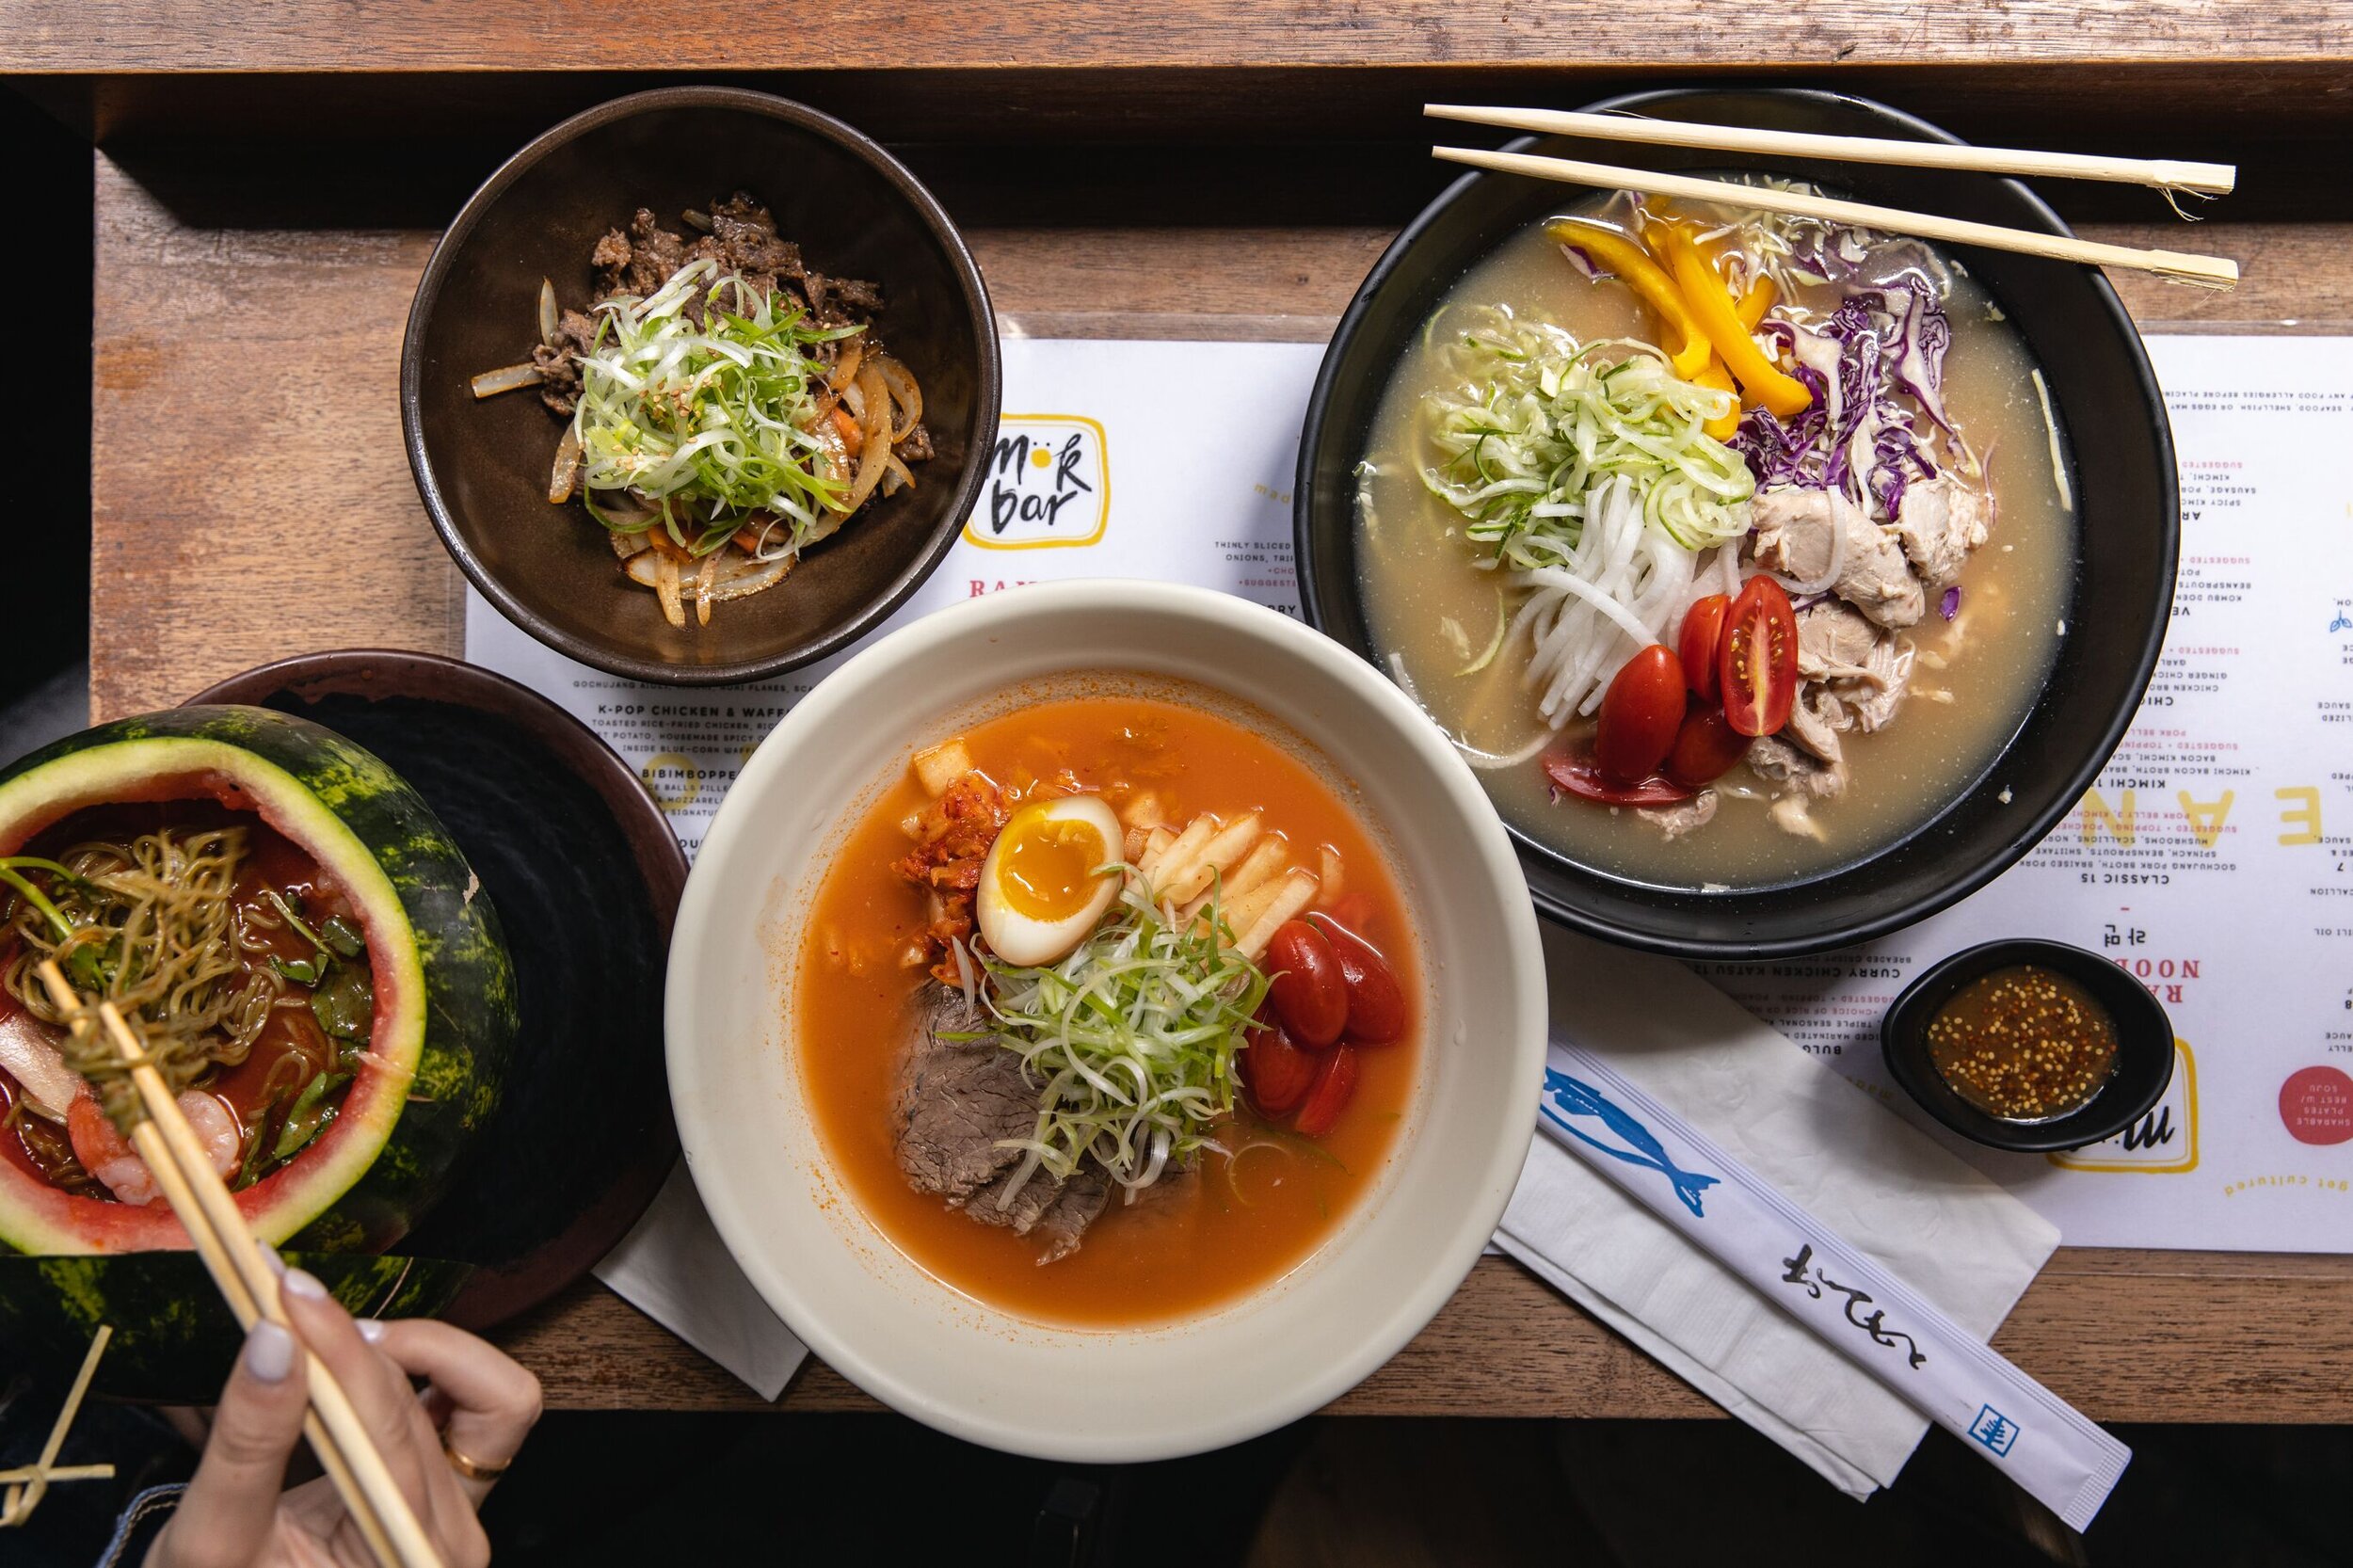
[
  {"x": 2168, "y": 175},
  {"x": 244, "y": 1271}
]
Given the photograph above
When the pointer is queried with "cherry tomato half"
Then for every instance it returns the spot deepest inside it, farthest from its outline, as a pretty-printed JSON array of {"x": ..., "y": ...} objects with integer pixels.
[
  {"x": 1310, "y": 989},
  {"x": 1333, "y": 1087},
  {"x": 1699, "y": 644},
  {"x": 1706, "y": 747},
  {"x": 1376, "y": 1002},
  {"x": 1352, "y": 910},
  {"x": 1758, "y": 664},
  {"x": 1640, "y": 714},
  {"x": 1576, "y": 773},
  {"x": 1276, "y": 1072}
]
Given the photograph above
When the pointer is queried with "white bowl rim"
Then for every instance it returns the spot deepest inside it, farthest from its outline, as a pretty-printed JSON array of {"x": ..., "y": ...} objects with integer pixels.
[{"x": 975, "y": 621}]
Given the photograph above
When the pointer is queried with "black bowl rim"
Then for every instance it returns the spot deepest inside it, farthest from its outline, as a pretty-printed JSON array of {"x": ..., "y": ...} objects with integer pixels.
[
  {"x": 989, "y": 381},
  {"x": 1535, "y": 857},
  {"x": 1903, "y": 1045}
]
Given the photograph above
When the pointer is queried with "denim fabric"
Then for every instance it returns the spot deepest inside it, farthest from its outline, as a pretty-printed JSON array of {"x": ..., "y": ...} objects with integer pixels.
[{"x": 139, "y": 1526}]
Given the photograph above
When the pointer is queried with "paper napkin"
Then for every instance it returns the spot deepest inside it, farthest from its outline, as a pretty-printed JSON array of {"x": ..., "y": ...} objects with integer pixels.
[
  {"x": 1956, "y": 1237},
  {"x": 673, "y": 1268}
]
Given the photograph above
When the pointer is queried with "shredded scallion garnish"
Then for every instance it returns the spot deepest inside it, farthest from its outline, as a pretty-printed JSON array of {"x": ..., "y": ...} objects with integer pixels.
[
  {"x": 710, "y": 423},
  {"x": 1543, "y": 425},
  {"x": 1130, "y": 1039}
]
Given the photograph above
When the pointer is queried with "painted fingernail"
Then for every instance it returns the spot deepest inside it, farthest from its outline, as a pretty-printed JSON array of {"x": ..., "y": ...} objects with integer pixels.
[
  {"x": 371, "y": 1330},
  {"x": 300, "y": 1283},
  {"x": 270, "y": 1353}
]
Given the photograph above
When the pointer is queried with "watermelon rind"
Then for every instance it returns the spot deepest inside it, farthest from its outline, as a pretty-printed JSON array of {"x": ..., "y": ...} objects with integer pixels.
[{"x": 445, "y": 997}]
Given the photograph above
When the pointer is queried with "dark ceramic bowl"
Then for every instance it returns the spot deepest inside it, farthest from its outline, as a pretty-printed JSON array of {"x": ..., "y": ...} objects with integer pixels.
[
  {"x": 585, "y": 874},
  {"x": 2144, "y": 1048},
  {"x": 2122, "y": 458},
  {"x": 482, "y": 466}
]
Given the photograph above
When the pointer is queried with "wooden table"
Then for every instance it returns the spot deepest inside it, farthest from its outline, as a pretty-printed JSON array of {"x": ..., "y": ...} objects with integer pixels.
[{"x": 261, "y": 222}]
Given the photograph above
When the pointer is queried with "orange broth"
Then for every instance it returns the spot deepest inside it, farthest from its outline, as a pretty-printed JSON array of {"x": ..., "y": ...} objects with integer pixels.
[{"x": 1177, "y": 1252}]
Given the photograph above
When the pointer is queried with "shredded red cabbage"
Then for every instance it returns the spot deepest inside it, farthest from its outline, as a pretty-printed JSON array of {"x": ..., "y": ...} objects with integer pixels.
[{"x": 1891, "y": 339}]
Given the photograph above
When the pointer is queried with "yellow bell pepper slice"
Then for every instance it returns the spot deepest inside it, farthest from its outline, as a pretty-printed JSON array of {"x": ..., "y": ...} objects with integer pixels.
[
  {"x": 1620, "y": 254},
  {"x": 1755, "y": 303},
  {"x": 1726, "y": 426},
  {"x": 1711, "y": 304}
]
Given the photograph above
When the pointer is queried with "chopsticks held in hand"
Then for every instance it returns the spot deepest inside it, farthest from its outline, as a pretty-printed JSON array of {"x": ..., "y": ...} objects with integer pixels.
[
  {"x": 244, "y": 1272},
  {"x": 2212, "y": 272}
]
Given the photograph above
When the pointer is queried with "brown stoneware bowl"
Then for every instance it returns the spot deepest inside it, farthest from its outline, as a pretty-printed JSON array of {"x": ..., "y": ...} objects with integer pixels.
[{"x": 482, "y": 466}]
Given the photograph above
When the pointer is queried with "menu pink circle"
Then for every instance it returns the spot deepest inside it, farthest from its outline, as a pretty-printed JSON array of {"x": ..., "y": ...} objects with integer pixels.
[{"x": 2316, "y": 1105}]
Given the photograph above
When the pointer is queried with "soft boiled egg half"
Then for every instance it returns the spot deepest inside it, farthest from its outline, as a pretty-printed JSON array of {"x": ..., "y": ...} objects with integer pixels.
[{"x": 1040, "y": 894}]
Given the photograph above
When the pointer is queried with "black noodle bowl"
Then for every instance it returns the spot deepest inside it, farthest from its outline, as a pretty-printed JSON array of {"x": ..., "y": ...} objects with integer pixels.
[{"x": 2120, "y": 463}]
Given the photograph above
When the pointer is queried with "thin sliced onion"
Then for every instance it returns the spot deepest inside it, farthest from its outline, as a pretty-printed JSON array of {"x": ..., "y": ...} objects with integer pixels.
[
  {"x": 846, "y": 363},
  {"x": 564, "y": 478},
  {"x": 644, "y": 567},
  {"x": 703, "y": 581},
  {"x": 742, "y": 576},
  {"x": 904, "y": 391},
  {"x": 510, "y": 379},
  {"x": 876, "y": 451},
  {"x": 895, "y": 476},
  {"x": 547, "y": 312},
  {"x": 666, "y": 589}
]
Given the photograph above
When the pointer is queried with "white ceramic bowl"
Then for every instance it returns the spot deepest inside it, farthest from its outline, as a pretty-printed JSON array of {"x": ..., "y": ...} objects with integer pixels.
[{"x": 936, "y": 1354}]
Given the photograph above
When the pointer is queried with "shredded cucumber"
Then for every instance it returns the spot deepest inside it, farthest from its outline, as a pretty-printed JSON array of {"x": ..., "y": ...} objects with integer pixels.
[
  {"x": 1132, "y": 1040},
  {"x": 1541, "y": 424},
  {"x": 708, "y": 423}
]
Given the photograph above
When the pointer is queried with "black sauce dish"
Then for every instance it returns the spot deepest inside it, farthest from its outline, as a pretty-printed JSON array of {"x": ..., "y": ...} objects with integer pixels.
[
  {"x": 2120, "y": 456},
  {"x": 2144, "y": 1048},
  {"x": 481, "y": 466}
]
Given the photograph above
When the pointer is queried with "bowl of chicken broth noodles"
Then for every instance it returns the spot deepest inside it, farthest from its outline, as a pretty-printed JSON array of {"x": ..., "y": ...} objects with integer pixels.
[{"x": 1784, "y": 581}]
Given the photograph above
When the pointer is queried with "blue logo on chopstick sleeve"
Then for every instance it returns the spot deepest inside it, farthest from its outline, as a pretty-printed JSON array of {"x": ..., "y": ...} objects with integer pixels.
[
  {"x": 1994, "y": 1429},
  {"x": 1582, "y": 1099}
]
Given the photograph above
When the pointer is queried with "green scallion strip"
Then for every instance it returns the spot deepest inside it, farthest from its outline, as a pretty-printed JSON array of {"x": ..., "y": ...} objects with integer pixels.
[
  {"x": 714, "y": 423},
  {"x": 1540, "y": 424},
  {"x": 1132, "y": 1039}
]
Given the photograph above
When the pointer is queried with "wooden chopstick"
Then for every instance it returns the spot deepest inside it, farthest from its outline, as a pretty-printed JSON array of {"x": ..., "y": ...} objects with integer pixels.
[
  {"x": 29, "y": 1485},
  {"x": 2159, "y": 173},
  {"x": 2208, "y": 272},
  {"x": 250, "y": 1283}
]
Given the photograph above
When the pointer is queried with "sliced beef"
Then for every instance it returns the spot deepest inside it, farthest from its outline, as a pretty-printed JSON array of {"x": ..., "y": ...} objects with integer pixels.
[
  {"x": 958, "y": 1101},
  {"x": 1083, "y": 1198},
  {"x": 639, "y": 261},
  {"x": 1940, "y": 522},
  {"x": 1793, "y": 535},
  {"x": 559, "y": 361},
  {"x": 1686, "y": 816}
]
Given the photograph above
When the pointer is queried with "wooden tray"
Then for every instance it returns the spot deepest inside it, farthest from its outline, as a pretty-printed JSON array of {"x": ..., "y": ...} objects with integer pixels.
[{"x": 263, "y": 211}]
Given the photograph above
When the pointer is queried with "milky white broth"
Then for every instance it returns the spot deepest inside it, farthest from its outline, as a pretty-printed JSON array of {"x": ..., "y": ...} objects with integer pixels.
[{"x": 1434, "y": 612}]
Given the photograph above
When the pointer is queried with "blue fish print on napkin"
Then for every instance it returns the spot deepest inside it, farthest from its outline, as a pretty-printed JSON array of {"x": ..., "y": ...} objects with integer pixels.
[{"x": 1582, "y": 1099}]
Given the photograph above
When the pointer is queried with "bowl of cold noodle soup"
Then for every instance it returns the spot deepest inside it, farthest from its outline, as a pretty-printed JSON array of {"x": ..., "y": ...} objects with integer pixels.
[
  {"x": 1783, "y": 581},
  {"x": 1064, "y": 1034}
]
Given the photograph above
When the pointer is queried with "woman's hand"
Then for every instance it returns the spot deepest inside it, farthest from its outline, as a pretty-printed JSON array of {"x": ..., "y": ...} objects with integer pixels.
[{"x": 477, "y": 1404}]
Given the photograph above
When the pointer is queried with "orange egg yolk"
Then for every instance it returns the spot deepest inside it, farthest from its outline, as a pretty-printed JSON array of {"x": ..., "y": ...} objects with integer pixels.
[{"x": 1047, "y": 870}]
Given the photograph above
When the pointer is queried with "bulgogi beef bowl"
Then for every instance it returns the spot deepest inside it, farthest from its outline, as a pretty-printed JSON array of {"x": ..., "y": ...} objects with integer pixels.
[{"x": 699, "y": 386}]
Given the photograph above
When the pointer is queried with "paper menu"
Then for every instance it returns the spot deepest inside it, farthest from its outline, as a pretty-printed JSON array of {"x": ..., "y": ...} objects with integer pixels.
[
  {"x": 2215, "y": 858},
  {"x": 1197, "y": 442}
]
